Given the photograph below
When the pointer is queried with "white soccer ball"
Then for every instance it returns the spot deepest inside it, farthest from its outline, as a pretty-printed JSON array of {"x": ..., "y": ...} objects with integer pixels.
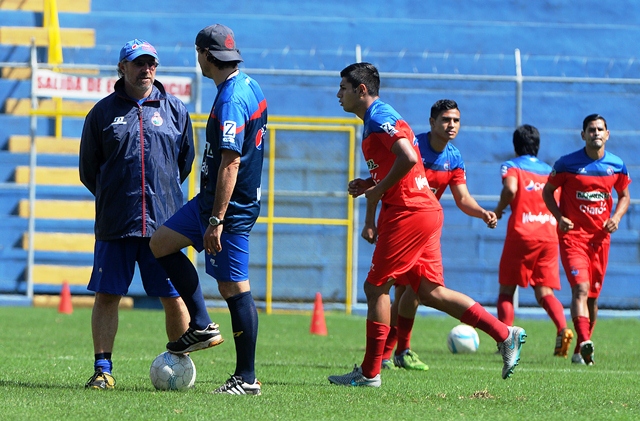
[
  {"x": 463, "y": 339},
  {"x": 172, "y": 372}
]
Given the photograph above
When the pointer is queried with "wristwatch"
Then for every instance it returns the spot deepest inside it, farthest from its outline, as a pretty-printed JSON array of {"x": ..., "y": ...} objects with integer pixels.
[{"x": 215, "y": 221}]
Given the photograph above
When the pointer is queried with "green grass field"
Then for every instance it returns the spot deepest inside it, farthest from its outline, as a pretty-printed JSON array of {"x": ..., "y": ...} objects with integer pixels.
[{"x": 46, "y": 357}]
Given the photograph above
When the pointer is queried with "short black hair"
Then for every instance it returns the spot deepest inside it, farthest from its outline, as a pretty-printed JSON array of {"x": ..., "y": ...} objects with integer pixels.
[
  {"x": 221, "y": 65},
  {"x": 441, "y": 106},
  {"x": 592, "y": 117},
  {"x": 526, "y": 140},
  {"x": 363, "y": 74}
]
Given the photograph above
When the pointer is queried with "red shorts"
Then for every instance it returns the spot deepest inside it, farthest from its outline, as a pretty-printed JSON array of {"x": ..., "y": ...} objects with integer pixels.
[
  {"x": 585, "y": 261},
  {"x": 408, "y": 247},
  {"x": 525, "y": 263}
]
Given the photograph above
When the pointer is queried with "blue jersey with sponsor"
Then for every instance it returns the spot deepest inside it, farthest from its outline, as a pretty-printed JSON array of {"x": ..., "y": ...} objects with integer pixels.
[
  {"x": 238, "y": 122},
  {"x": 442, "y": 168}
]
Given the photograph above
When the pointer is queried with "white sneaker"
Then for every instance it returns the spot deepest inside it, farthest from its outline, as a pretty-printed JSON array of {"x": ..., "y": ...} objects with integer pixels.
[
  {"x": 510, "y": 350},
  {"x": 355, "y": 378},
  {"x": 236, "y": 386}
]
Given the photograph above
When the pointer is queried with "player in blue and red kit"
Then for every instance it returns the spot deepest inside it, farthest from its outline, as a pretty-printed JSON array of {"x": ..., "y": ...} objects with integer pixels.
[
  {"x": 530, "y": 253},
  {"x": 407, "y": 233},
  {"x": 219, "y": 219},
  {"x": 444, "y": 168},
  {"x": 587, "y": 178}
]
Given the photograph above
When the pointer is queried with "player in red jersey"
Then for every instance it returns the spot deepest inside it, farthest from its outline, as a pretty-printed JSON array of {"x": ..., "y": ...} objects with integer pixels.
[
  {"x": 444, "y": 168},
  {"x": 585, "y": 223},
  {"x": 530, "y": 253},
  {"x": 407, "y": 233}
]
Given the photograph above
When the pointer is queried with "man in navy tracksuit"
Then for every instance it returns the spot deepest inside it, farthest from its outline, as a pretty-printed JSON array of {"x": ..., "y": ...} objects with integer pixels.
[{"x": 136, "y": 150}]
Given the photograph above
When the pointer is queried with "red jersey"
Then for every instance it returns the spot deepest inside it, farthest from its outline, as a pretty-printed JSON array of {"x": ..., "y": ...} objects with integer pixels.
[
  {"x": 530, "y": 219},
  {"x": 586, "y": 197},
  {"x": 383, "y": 126}
]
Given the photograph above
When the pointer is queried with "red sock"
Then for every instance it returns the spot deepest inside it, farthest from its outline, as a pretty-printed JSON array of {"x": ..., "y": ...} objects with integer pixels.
[
  {"x": 477, "y": 316},
  {"x": 505, "y": 309},
  {"x": 581, "y": 324},
  {"x": 554, "y": 309},
  {"x": 376, "y": 335},
  {"x": 405, "y": 326},
  {"x": 392, "y": 339}
]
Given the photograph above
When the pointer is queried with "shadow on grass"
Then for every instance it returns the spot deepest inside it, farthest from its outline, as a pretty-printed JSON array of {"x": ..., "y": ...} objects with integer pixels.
[{"x": 39, "y": 385}]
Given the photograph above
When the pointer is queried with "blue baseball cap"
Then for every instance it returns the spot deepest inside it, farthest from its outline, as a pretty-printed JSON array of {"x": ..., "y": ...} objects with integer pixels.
[{"x": 136, "y": 48}]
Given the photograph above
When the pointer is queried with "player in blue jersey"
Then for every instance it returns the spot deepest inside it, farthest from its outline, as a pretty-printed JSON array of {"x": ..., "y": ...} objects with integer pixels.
[
  {"x": 444, "y": 167},
  {"x": 218, "y": 220},
  {"x": 530, "y": 253}
]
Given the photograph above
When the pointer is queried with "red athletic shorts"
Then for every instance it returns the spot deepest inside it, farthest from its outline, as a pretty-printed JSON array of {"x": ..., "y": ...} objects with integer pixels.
[
  {"x": 408, "y": 247},
  {"x": 585, "y": 261},
  {"x": 525, "y": 263}
]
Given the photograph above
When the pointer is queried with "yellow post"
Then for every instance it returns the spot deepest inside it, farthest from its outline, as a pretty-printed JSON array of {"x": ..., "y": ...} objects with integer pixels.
[{"x": 50, "y": 21}]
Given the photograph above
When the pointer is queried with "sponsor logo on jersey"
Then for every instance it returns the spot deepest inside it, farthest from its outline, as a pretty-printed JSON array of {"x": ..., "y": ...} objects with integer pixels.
[
  {"x": 593, "y": 210},
  {"x": 541, "y": 218},
  {"x": 371, "y": 165},
  {"x": 229, "y": 131},
  {"x": 389, "y": 129},
  {"x": 610, "y": 171},
  {"x": 592, "y": 196},
  {"x": 447, "y": 166},
  {"x": 574, "y": 271},
  {"x": 119, "y": 120},
  {"x": 534, "y": 186},
  {"x": 422, "y": 182},
  {"x": 503, "y": 170},
  {"x": 260, "y": 137}
]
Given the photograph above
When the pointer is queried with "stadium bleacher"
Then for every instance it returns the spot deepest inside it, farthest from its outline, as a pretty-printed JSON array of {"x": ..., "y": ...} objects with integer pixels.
[{"x": 400, "y": 37}]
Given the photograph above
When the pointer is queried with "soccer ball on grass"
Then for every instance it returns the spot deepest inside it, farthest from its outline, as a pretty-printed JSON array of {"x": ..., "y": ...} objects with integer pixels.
[
  {"x": 463, "y": 339},
  {"x": 172, "y": 372}
]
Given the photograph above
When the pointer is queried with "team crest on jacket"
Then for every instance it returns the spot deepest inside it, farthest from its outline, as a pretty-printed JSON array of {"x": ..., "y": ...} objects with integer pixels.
[{"x": 156, "y": 120}]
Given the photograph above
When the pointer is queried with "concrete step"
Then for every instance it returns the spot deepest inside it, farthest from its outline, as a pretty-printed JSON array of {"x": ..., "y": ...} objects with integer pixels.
[
  {"x": 69, "y": 37},
  {"x": 60, "y": 242},
  {"x": 59, "y": 209},
  {"x": 45, "y": 144},
  {"x": 50, "y": 176},
  {"x": 67, "y": 6},
  {"x": 22, "y": 106}
]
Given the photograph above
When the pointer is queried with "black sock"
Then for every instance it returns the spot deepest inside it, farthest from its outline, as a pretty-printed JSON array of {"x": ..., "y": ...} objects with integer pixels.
[{"x": 184, "y": 277}]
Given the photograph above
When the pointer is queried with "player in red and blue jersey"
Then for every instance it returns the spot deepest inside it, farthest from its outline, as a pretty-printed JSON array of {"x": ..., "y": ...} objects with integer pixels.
[
  {"x": 407, "y": 233},
  {"x": 530, "y": 253},
  {"x": 219, "y": 219},
  {"x": 587, "y": 178},
  {"x": 444, "y": 168}
]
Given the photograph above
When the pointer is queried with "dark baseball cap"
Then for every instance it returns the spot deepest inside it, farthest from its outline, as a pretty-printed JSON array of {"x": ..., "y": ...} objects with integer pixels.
[
  {"x": 220, "y": 42},
  {"x": 136, "y": 48}
]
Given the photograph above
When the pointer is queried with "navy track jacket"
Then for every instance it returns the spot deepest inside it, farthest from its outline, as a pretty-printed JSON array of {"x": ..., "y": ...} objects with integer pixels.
[{"x": 134, "y": 158}]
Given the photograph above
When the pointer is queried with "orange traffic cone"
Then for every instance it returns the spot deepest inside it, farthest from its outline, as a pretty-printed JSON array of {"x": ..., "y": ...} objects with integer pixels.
[
  {"x": 65, "y": 299},
  {"x": 318, "y": 324}
]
